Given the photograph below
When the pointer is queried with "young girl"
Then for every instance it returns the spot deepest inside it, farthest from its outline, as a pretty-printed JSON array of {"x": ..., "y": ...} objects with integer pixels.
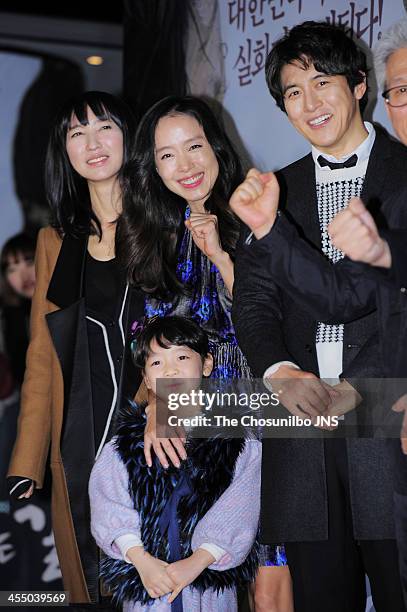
[
  {"x": 208, "y": 508},
  {"x": 17, "y": 288},
  {"x": 18, "y": 274}
]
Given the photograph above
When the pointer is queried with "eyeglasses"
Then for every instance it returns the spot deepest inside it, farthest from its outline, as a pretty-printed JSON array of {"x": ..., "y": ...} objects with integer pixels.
[{"x": 396, "y": 96}]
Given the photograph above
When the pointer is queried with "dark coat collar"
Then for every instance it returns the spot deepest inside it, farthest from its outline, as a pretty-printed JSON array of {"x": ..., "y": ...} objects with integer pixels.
[
  {"x": 298, "y": 198},
  {"x": 300, "y": 178},
  {"x": 373, "y": 191},
  {"x": 66, "y": 285}
]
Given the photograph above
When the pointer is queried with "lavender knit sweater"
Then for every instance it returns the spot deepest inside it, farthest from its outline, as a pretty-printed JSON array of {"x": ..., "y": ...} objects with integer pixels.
[{"x": 231, "y": 523}]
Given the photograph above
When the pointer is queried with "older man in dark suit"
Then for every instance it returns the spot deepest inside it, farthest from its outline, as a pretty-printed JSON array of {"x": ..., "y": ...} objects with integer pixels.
[
  {"x": 356, "y": 234},
  {"x": 320, "y": 497}
]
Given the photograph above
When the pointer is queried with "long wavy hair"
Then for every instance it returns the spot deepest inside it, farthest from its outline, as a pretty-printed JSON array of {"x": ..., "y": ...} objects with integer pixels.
[
  {"x": 67, "y": 191},
  {"x": 152, "y": 223}
]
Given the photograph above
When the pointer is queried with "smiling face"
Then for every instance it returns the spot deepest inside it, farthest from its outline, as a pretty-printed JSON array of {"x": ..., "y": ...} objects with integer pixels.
[
  {"x": 20, "y": 275},
  {"x": 323, "y": 108},
  {"x": 185, "y": 160},
  {"x": 95, "y": 150},
  {"x": 396, "y": 75},
  {"x": 174, "y": 362}
]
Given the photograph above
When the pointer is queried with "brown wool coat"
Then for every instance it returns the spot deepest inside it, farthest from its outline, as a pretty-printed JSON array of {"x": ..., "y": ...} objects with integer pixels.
[{"x": 41, "y": 416}]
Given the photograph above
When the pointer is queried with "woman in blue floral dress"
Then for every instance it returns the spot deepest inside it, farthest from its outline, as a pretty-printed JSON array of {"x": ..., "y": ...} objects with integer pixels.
[{"x": 177, "y": 237}]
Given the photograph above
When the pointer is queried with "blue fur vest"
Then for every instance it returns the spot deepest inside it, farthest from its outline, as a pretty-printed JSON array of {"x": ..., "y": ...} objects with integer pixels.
[{"x": 210, "y": 467}]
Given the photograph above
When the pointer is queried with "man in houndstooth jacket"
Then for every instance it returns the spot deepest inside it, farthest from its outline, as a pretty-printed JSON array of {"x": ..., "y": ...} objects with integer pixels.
[{"x": 329, "y": 500}]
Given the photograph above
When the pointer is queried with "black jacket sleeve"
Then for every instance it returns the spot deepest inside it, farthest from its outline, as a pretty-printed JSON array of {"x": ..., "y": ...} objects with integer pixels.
[
  {"x": 396, "y": 237},
  {"x": 397, "y": 241},
  {"x": 256, "y": 312},
  {"x": 331, "y": 293}
]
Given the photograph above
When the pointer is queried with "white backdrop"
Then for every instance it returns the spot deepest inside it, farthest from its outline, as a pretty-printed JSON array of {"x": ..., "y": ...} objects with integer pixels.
[{"x": 248, "y": 29}]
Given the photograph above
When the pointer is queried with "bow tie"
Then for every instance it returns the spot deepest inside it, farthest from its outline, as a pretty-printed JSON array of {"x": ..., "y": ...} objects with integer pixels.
[{"x": 349, "y": 163}]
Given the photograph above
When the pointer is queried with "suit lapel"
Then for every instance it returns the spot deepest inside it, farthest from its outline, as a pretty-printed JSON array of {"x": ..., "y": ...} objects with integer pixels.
[
  {"x": 302, "y": 205},
  {"x": 69, "y": 334},
  {"x": 309, "y": 211},
  {"x": 382, "y": 177},
  {"x": 68, "y": 331},
  {"x": 66, "y": 285},
  {"x": 374, "y": 186},
  {"x": 65, "y": 290}
]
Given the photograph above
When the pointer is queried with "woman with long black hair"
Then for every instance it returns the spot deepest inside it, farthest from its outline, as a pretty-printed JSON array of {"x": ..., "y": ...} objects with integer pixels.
[
  {"x": 75, "y": 373},
  {"x": 178, "y": 237}
]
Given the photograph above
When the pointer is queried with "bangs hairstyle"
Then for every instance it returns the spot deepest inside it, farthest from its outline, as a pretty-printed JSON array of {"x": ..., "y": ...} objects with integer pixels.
[
  {"x": 67, "y": 192},
  {"x": 327, "y": 47},
  {"x": 170, "y": 331},
  {"x": 19, "y": 246},
  {"x": 153, "y": 216}
]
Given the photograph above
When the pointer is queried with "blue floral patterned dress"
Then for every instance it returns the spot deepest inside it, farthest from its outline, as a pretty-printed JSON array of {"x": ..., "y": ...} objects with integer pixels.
[{"x": 208, "y": 303}]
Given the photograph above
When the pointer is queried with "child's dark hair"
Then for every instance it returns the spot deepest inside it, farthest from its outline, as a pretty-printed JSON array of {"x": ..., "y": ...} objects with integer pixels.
[
  {"x": 170, "y": 331},
  {"x": 326, "y": 46},
  {"x": 21, "y": 245}
]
